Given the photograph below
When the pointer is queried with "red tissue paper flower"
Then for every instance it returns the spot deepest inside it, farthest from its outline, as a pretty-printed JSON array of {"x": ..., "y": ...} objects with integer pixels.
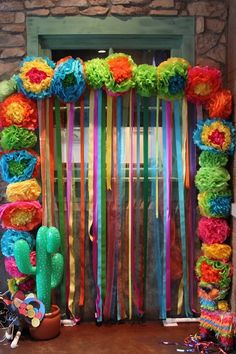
[{"x": 213, "y": 230}]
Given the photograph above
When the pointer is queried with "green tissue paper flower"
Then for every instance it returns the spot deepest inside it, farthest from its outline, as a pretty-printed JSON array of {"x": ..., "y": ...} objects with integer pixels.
[
  {"x": 213, "y": 179},
  {"x": 14, "y": 138},
  {"x": 7, "y": 87},
  {"x": 97, "y": 72},
  {"x": 212, "y": 159},
  {"x": 145, "y": 78}
]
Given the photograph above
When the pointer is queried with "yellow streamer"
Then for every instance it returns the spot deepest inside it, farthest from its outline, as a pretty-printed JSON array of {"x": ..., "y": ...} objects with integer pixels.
[
  {"x": 157, "y": 152},
  {"x": 180, "y": 296},
  {"x": 109, "y": 142},
  {"x": 184, "y": 134},
  {"x": 90, "y": 168}
]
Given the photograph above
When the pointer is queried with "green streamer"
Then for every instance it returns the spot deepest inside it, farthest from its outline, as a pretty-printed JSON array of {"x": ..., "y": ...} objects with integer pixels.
[{"x": 60, "y": 191}]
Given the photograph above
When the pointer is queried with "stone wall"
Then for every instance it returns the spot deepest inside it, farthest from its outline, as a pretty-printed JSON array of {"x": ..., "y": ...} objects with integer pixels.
[{"x": 211, "y": 18}]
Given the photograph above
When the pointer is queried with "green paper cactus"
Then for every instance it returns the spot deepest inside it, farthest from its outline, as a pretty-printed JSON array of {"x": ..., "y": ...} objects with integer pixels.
[{"x": 49, "y": 264}]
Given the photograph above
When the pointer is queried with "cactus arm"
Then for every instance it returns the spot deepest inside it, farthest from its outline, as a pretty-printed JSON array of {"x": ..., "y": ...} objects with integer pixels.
[
  {"x": 22, "y": 257},
  {"x": 53, "y": 240},
  {"x": 57, "y": 269}
]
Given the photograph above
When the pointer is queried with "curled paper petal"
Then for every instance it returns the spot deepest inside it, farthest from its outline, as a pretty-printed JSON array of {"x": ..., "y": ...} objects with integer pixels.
[
  {"x": 216, "y": 205},
  {"x": 17, "y": 166},
  {"x": 203, "y": 82},
  {"x": 26, "y": 190},
  {"x": 19, "y": 111},
  {"x": 68, "y": 82},
  {"x": 14, "y": 138},
  {"x": 212, "y": 179},
  {"x": 213, "y": 159},
  {"x": 213, "y": 230},
  {"x": 220, "y": 104},
  {"x": 34, "y": 79},
  {"x": 10, "y": 237},
  {"x": 97, "y": 72},
  {"x": 24, "y": 216},
  {"x": 217, "y": 251},
  {"x": 145, "y": 79}
]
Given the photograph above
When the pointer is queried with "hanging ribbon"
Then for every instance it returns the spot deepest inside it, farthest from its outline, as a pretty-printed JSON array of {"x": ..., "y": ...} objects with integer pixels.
[
  {"x": 70, "y": 131},
  {"x": 60, "y": 193},
  {"x": 47, "y": 166},
  {"x": 109, "y": 141},
  {"x": 90, "y": 167},
  {"x": 157, "y": 154},
  {"x": 82, "y": 205},
  {"x": 184, "y": 135},
  {"x": 42, "y": 141},
  {"x": 181, "y": 205},
  {"x": 51, "y": 159}
]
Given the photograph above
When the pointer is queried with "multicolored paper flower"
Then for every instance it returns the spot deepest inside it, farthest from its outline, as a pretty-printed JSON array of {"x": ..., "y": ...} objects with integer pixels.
[
  {"x": 220, "y": 104},
  {"x": 96, "y": 72},
  {"x": 145, "y": 79},
  {"x": 213, "y": 230},
  {"x": 217, "y": 251},
  {"x": 172, "y": 77},
  {"x": 213, "y": 159},
  {"x": 68, "y": 82},
  {"x": 213, "y": 272},
  {"x": 26, "y": 190},
  {"x": 216, "y": 205},
  {"x": 14, "y": 138},
  {"x": 203, "y": 82},
  {"x": 34, "y": 79},
  {"x": 24, "y": 216},
  {"x": 20, "y": 111},
  {"x": 10, "y": 237},
  {"x": 24, "y": 284},
  {"x": 212, "y": 179},
  {"x": 11, "y": 266},
  {"x": 121, "y": 67},
  {"x": 17, "y": 166},
  {"x": 215, "y": 135}
]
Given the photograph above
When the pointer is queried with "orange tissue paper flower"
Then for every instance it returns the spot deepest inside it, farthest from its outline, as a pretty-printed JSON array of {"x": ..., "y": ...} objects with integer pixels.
[{"x": 220, "y": 104}]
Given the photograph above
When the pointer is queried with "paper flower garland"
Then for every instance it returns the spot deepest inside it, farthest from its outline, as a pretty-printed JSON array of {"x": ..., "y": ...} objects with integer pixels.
[
  {"x": 212, "y": 179},
  {"x": 12, "y": 269},
  {"x": 17, "y": 138},
  {"x": 220, "y": 104},
  {"x": 20, "y": 111},
  {"x": 214, "y": 272},
  {"x": 121, "y": 68},
  {"x": 213, "y": 159},
  {"x": 34, "y": 79},
  {"x": 10, "y": 237},
  {"x": 26, "y": 190},
  {"x": 7, "y": 88},
  {"x": 217, "y": 251},
  {"x": 216, "y": 205},
  {"x": 19, "y": 166},
  {"x": 68, "y": 82},
  {"x": 97, "y": 72},
  {"x": 25, "y": 284},
  {"x": 145, "y": 79},
  {"x": 215, "y": 135},
  {"x": 172, "y": 77},
  {"x": 203, "y": 82},
  {"x": 24, "y": 216},
  {"x": 213, "y": 230}
]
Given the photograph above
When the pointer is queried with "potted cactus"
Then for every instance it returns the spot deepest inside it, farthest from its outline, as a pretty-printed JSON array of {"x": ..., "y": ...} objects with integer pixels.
[{"x": 48, "y": 272}]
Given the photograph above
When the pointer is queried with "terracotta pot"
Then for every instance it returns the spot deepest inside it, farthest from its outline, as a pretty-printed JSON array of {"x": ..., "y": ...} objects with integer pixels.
[{"x": 50, "y": 325}]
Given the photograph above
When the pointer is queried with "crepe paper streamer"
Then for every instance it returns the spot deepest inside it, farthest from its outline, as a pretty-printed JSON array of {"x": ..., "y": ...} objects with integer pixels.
[
  {"x": 19, "y": 111},
  {"x": 215, "y": 135},
  {"x": 157, "y": 156},
  {"x": 217, "y": 251},
  {"x": 12, "y": 267},
  {"x": 184, "y": 138},
  {"x": 97, "y": 72},
  {"x": 90, "y": 165},
  {"x": 213, "y": 230},
  {"x": 216, "y": 205},
  {"x": 35, "y": 77},
  {"x": 121, "y": 68},
  {"x": 69, "y": 202},
  {"x": 82, "y": 205},
  {"x": 42, "y": 140},
  {"x": 68, "y": 81},
  {"x": 109, "y": 142},
  {"x": 60, "y": 193},
  {"x": 24, "y": 216},
  {"x": 213, "y": 159},
  {"x": 14, "y": 138},
  {"x": 220, "y": 104},
  {"x": 171, "y": 78},
  {"x": 47, "y": 167},
  {"x": 18, "y": 166},
  {"x": 26, "y": 190},
  {"x": 203, "y": 82},
  {"x": 103, "y": 197},
  {"x": 49, "y": 267},
  {"x": 212, "y": 179},
  {"x": 7, "y": 88},
  {"x": 181, "y": 200},
  {"x": 145, "y": 79},
  {"x": 51, "y": 158},
  {"x": 10, "y": 237}
]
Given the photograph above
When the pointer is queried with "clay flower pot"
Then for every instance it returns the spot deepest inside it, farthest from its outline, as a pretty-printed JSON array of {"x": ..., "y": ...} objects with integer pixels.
[{"x": 50, "y": 325}]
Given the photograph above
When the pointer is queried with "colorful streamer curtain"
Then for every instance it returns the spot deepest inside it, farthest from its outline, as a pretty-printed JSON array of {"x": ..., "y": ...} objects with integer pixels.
[{"x": 124, "y": 168}]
